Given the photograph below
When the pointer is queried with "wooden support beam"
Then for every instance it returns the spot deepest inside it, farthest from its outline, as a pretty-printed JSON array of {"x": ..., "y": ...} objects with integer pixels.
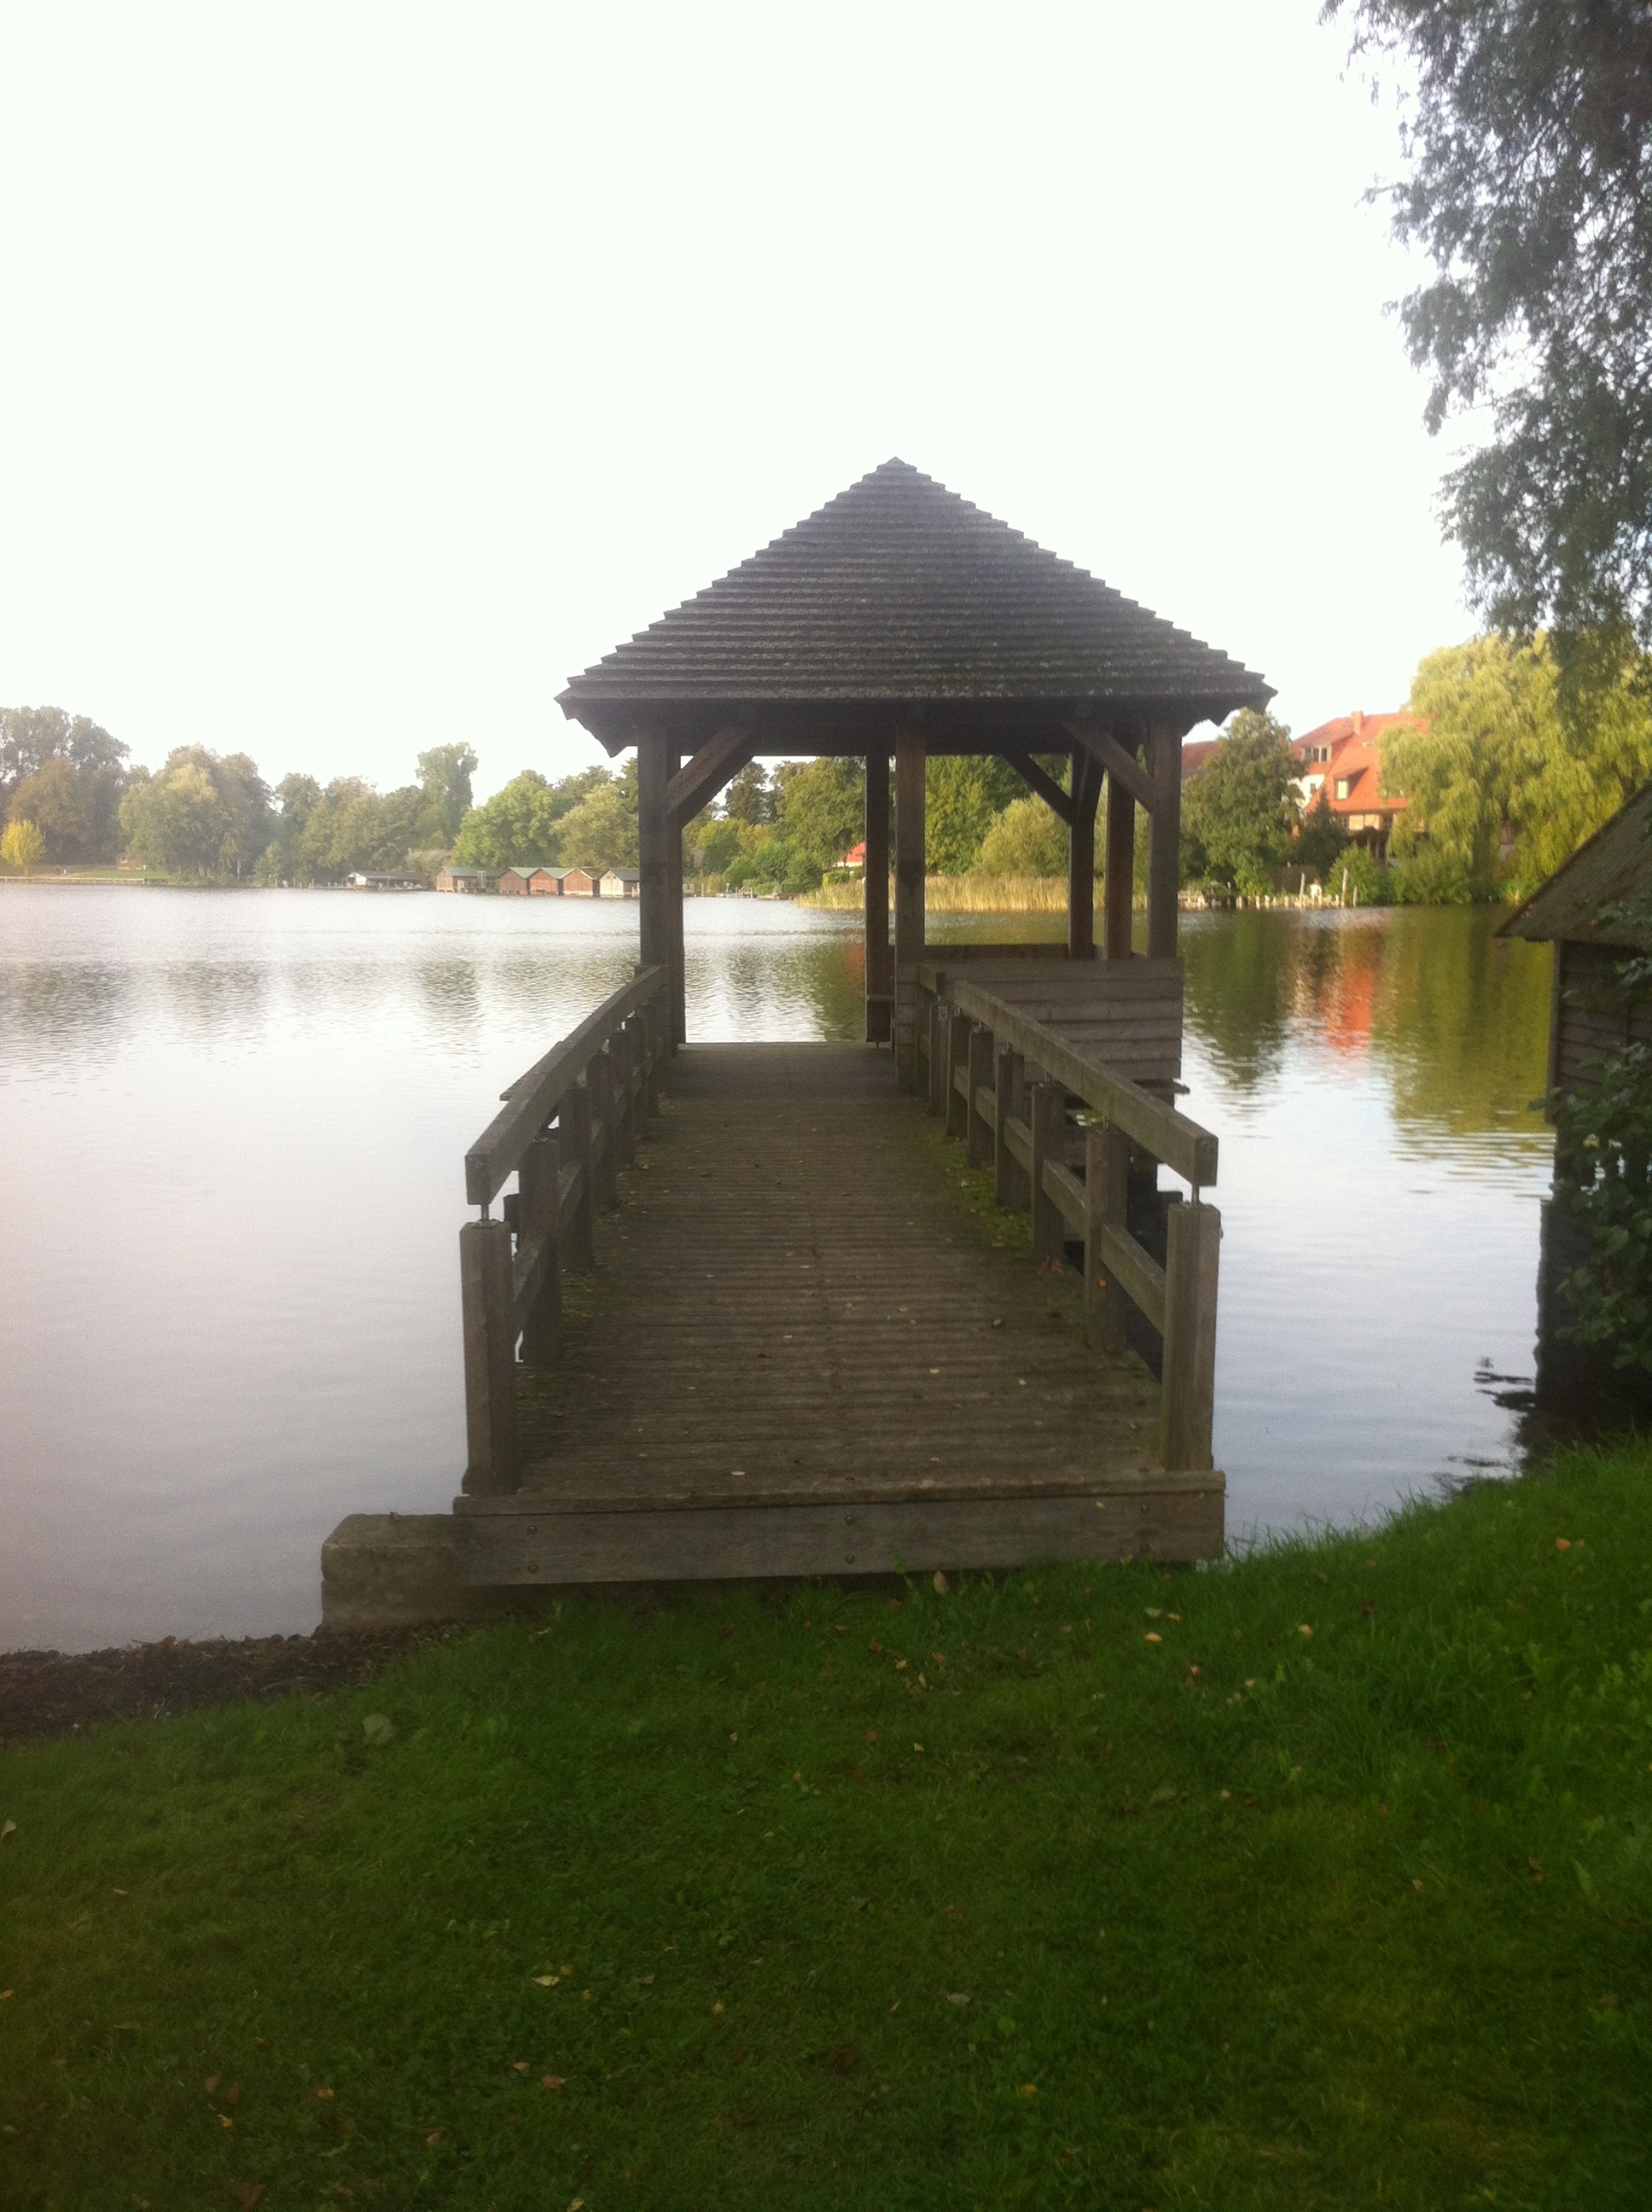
[
  {"x": 1120, "y": 890},
  {"x": 700, "y": 780},
  {"x": 1164, "y": 841},
  {"x": 1049, "y": 1123},
  {"x": 1188, "y": 1394},
  {"x": 652, "y": 1024},
  {"x": 1041, "y": 785},
  {"x": 1081, "y": 857},
  {"x": 1118, "y": 760},
  {"x": 1107, "y": 1168},
  {"x": 541, "y": 1187},
  {"x": 677, "y": 1014},
  {"x": 653, "y": 835},
  {"x": 980, "y": 1131},
  {"x": 908, "y": 897},
  {"x": 578, "y": 1151},
  {"x": 486, "y": 1292},
  {"x": 880, "y": 971}
]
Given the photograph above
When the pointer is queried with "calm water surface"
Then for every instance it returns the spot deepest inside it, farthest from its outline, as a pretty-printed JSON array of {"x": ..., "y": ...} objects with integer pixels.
[{"x": 232, "y": 1125}]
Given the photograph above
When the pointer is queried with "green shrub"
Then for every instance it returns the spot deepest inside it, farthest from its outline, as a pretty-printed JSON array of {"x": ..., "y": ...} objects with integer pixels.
[
  {"x": 1028, "y": 839},
  {"x": 1431, "y": 877},
  {"x": 1356, "y": 878}
]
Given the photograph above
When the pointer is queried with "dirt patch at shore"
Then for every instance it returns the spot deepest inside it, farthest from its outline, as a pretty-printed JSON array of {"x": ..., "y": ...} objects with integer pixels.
[{"x": 47, "y": 1693}]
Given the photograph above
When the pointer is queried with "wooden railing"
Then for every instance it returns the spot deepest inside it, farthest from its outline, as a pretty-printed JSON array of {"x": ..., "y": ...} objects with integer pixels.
[
  {"x": 563, "y": 1130},
  {"x": 1006, "y": 1083}
]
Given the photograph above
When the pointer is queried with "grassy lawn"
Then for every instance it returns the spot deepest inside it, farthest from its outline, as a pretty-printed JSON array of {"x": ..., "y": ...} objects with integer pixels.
[{"x": 1105, "y": 1889}]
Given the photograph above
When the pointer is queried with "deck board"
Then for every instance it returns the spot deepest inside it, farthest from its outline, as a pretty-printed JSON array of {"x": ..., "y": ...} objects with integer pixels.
[{"x": 795, "y": 1300}]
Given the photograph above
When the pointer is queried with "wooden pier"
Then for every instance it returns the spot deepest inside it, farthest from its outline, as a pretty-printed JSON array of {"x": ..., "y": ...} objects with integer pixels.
[{"x": 743, "y": 1310}]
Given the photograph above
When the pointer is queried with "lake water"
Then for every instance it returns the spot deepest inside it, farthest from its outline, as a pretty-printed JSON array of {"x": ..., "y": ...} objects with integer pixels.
[{"x": 232, "y": 1129}]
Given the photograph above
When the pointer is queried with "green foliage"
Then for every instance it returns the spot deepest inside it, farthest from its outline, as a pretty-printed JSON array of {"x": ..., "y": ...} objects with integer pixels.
[
  {"x": 1528, "y": 145},
  {"x": 67, "y": 776},
  {"x": 1502, "y": 744},
  {"x": 205, "y": 816},
  {"x": 445, "y": 774},
  {"x": 1239, "y": 812},
  {"x": 1028, "y": 839},
  {"x": 1431, "y": 878},
  {"x": 963, "y": 795},
  {"x": 750, "y": 797},
  {"x": 526, "y": 822},
  {"x": 1604, "y": 1177},
  {"x": 1322, "y": 840},
  {"x": 1368, "y": 1902},
  {"x": 21, "y": 845},
  {"x": 1354, "y": 879},
  {"x": 822, "y": 811},
  {"x": 600, "y": 830}
]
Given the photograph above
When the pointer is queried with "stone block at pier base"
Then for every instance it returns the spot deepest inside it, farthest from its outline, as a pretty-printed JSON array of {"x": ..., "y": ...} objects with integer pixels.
[{"x": 396, "y": 1571}]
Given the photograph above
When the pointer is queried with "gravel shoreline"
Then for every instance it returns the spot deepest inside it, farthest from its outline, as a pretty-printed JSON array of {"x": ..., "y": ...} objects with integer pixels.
[{"x": 56, "y": 1694}]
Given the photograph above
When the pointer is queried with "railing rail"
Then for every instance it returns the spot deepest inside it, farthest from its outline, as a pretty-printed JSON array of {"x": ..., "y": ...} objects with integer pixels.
[
  {"x": 979, "y": 1048},
  {"x": 565, "y": 1128}
]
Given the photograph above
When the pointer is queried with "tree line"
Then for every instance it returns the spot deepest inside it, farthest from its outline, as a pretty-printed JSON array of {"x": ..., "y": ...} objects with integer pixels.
[{"x": 1507, "y": 767}]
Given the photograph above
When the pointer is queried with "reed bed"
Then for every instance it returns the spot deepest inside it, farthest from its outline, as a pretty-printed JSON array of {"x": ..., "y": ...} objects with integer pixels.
[{"x": 959, "y": 895}]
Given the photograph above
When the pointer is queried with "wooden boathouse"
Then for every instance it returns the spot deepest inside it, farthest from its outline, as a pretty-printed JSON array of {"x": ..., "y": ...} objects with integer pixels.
[{"x": 798, "y": 1346}]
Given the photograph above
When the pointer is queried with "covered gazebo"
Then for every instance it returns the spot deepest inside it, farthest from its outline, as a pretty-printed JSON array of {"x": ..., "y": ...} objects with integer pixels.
[{"x": 896, "y": 622}]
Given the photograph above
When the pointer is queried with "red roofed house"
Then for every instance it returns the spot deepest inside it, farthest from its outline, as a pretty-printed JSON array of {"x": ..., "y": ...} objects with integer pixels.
[
  {"x": 1345, "y": 759},
  {"x": 855, "y": 857}
]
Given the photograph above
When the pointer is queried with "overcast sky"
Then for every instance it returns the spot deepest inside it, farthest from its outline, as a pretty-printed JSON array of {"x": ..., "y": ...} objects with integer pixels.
[{"x": 368, "y": 369}]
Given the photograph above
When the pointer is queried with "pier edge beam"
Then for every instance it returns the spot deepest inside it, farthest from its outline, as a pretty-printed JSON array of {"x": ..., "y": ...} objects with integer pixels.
[
  {"x": 677, "y": 1012},
  {"x": 908, "y": 898},
  {"x": 880, "y": 1006}
]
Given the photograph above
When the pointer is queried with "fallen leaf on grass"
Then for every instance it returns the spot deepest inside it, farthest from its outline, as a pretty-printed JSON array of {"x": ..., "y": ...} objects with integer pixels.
[
  {"x": 434, "y": 2137},
  {"x": 718, "y": 2007},
  {"x": 1417, "y": 1881},
  {"x": 551, "y": 2080},
  {"x": 1028, "y": 2089},
  {"x": 957, "y": 1997},
  {"x": 1304, "y": 1630},
  {"x": 323, "y": 2095},
  {"x": 232, "y": 2094},
  {"x": 942, "y": 1585},
  {"x": 7, "y": 1828},
  {"x": 869, "y": 1735},
  {"x": 546, "y": 1981},
  {"x": 1153, "y": 1637},
  {"x": 1537, "y": 1871},
  {"x": 1563, "y": 1543},
  {"x": 519, "y": 2066},
  {"x": 378, "y": 1728}
]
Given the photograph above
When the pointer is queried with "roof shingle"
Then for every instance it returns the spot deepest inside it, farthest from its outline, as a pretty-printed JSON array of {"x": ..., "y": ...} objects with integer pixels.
[{"x": 899, "y": 591}]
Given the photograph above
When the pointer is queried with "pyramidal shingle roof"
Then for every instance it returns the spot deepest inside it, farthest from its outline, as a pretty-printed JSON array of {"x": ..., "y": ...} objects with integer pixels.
[{"x": 897, "y": 590}]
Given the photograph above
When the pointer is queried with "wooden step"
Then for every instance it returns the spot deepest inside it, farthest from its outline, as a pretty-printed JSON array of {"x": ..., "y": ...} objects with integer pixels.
[{"x": 524, "y": 1541}]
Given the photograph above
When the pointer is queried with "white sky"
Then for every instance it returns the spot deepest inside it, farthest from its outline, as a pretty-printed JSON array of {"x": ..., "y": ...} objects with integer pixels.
[{"x": 368, "y": 369}]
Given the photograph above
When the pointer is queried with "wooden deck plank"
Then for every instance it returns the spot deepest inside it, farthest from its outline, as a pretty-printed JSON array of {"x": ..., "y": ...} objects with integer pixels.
[{"x": 823, "y": 1314}]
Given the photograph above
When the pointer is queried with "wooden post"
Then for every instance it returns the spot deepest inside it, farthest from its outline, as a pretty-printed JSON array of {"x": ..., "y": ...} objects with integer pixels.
[
  {"x": 599, "y": 1076},
  {"x": 941, "y": 1020},
  {"x": 1187, "y": 1397},
  {"x": 1009, "y": 1177},
  {"x": 540, "y": 1188},
  {"x": 981, "y": 1079},
  {"x": 958, "y": 1057},
  {"x": 880, "y": 1007},
  {"x": 1107, "y": 1172},
  {"x": 908, "y": 897},
  {"x": 650, "y": 1024},
  {"x": 1120, "y": 891},
  {"x": 655, "y": 767},
  {"x": 1164, "y": 841},
  {"x": 1081, "y": 856},
  {"x": 577, "y": 1148},
  {"x": 620, "y": 1097},
  {"x": 485, "y": 1297},
  {"x": 677, "y": 988},
  {"x": 1049, "y": 1122}
]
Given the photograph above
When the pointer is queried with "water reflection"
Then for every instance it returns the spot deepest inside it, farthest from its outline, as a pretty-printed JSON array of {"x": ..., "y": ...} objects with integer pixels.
[{"x": 295, "y": 1078}]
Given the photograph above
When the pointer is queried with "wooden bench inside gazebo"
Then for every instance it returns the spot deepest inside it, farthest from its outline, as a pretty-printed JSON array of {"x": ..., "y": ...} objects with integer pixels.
[{"x": 796, "y": 1350}]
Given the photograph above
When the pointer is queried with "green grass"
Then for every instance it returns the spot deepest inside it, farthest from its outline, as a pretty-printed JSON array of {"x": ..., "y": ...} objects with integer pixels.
[{"x": 1243, "y": 1917}]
